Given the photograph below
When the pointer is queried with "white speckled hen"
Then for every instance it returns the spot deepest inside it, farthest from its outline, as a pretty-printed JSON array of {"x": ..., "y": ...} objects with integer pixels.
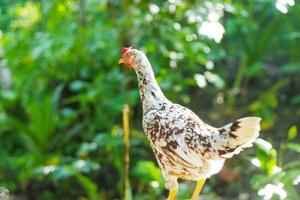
[{"x": 184, "y": 145}]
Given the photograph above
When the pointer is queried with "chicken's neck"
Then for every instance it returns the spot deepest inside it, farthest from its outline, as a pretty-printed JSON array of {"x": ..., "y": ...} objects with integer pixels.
[{"x": 151, "y": 95}]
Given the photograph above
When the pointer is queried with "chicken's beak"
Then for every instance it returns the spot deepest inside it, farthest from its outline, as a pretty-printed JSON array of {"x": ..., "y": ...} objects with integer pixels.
[{"x": 120, "y": 61}]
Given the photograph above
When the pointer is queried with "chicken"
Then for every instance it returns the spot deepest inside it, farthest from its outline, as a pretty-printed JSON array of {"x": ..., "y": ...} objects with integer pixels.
[{"x": 185, "y": 147}]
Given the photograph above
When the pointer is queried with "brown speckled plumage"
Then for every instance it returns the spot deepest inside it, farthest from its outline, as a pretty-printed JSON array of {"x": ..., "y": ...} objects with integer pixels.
[{"x": 185, "y": 146}]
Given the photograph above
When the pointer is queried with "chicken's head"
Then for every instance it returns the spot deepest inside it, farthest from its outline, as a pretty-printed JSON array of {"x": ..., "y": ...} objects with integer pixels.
[{"x": 128, "y": 57}]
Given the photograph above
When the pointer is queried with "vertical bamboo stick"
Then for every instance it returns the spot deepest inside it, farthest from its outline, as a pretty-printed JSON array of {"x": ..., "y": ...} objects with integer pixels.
[{"x": 125, "y": 191}]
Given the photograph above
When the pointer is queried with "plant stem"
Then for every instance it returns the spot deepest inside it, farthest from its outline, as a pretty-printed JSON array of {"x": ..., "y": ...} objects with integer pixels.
[
  {"x": 125, "y": 191},
  {"x": 238, "y": 81}
]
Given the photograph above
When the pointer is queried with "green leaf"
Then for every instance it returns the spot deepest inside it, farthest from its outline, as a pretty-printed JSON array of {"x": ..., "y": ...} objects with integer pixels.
[
  {"x": 8, "y": 95},
  {"x": 77, "y": 85},
  {"x": 104, "y": 139},
  {"x": 259, "y": 180},
  {"x": 85, "y": 148},
  {"x": 84, "y": 166},
  {"x": 254, "y": 70},
  {"x": 292, "y": 164},
  {"x": 264, "y": 145},
  {"x": 214, "y": 79},
  {"x": 295, "y": 99},
  {"x": 293, "y": 147},
  {"x": 292, "y": 133},
  {"x": 291, "y": 68},
  {"x": 147, "y": 171},
  {"x": 89, "y": 186},
  {"x": 266, "y": 155}
]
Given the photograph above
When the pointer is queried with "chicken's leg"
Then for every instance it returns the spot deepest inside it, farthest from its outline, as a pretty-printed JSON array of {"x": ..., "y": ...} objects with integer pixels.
[
  {"x": 172, "y": 194},
  {"x": 198, "y": 189}
]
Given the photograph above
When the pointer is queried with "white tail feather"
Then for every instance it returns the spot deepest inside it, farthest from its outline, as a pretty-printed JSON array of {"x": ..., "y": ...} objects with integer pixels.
[{"x": 242, "y": 134}]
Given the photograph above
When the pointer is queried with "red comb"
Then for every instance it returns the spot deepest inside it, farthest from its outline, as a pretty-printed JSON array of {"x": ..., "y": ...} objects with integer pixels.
[{"x": 124, "y": 49}]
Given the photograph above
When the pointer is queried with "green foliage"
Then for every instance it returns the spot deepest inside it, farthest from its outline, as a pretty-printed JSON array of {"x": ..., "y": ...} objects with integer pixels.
[
  {"x": 277, "y": 182},
  {"x": 267, "y": 156},
  {"x": 292, "y": 132},
  {"x": 62, "y": 92}
]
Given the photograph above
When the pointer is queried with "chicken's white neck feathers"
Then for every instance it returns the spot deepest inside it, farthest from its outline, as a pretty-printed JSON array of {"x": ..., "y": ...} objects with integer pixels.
[{"x": 151, "y": 95}]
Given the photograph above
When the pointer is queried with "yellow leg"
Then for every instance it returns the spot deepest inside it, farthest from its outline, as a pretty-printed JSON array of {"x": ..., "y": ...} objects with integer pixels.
[
  {"x": 198, "y": 189},
  {"x": 172, "y": 194}
]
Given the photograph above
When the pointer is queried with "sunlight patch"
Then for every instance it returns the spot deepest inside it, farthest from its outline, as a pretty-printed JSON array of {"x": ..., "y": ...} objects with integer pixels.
[
  {"x": 154, "y": 9},
  {"x": 211, "y": 27},
  {"x": 283, "y": 5},
  {"x": 264, "y": 144},
  {"x": 48, "y": 169},
  {"x": 154, "y": 184},
  {"x": 213, "y": 30},
  {"x": 296, "y": 180},
  {"x": 200, "y": 80},
  {"x": 80, "y": 164},
  {"x": 270, "y": 189},
  {"x": 27, "y": 15}
]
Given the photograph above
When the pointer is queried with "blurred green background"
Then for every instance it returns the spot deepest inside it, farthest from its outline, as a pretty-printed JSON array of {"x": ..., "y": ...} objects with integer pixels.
[{"x": 62, "y": 93}]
